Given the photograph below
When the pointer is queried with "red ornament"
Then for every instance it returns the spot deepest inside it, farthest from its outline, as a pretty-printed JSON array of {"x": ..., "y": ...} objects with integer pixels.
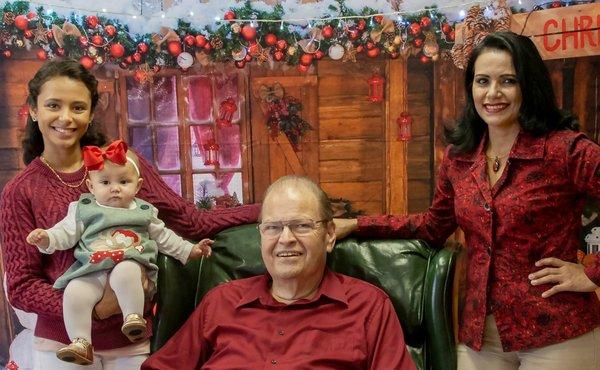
[
  {"x": 370, "y": 45},
  {"x": 327, "y": 32},
  {"x": 418, "y": 43},
  {"x": 404, "y": 123},
  {"x": 128, "y": 60},
  {"x": 361, "y": 25},
  {"x": 41, "y": 54},
  {"x": 83, "y": 41},
  {"x": 189, "y": 40},
  {"x": 140, "y": 76},
  {"x": 254, "y": 48},
  {"x": 60, "y": 52},
  {"x": 137, "y": 57},
  {"x": 378, "y": 18},
  {"x": 306, "y": 59},
  {"x": 376, "y": 85},
  {"x": 12, "y": 366},
  {"x": 360, "y": 49},
  {"x": 425, "y": 22},
  {"x": 142, "y": 47},
  {"x": 302, "y": 68},
  {"x": 21, "y": 22},
  {"x": 240, "y": 63},
  {"x": 49, "y": 35},
  {"x": 373, "y": 53},
  {"x": 110, "y": 30},
  {"x": 281, "y": 44},
  {"x": 248, "y": 32},
  {"x": 31, "y": 15},
  {"x": 92, "y": 21},
  {"x": 446, "y": 28},
  {"x": 424, "y": 59},
  {"x": 211, "y": 150},
  {"x": 28, "y": 34},
  {"x": 451, "y": 35},
  {"x": 353, "y": 33},
  {"x": 87, "y": 62},
  {"x": 7, "y": 54},
  {"x": 97, "y": 40},
  {"x": 278, "y": 55},
  {"x": 229, "y": 15},
  {"x": 117, "y": 50},
  {"x": 319, "y": 54},
  {"x": 414, "y": 29},
  {"x": 270, "y": 39},
  {"x": 174, "y": 48},
  {"x": 247, "y": 58},
  {"x": 207, "y": 46},
  {"x": 227, "y": 109},
  {"x": 394, "y": 55},
  {"x": 200, "y": 41},
  {"x": 556, "y": 4}
]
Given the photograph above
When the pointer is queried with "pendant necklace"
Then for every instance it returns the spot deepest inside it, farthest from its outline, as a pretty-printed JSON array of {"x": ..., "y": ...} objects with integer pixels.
[
  {"x": 58, "y": 176},
  {"x": 496, "y": 161}
]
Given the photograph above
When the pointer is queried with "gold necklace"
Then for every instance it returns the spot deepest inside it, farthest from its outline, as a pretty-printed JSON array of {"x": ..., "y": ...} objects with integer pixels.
[
  {"x": 496, "y": 161},
  {"x": 58, "y": 176}
]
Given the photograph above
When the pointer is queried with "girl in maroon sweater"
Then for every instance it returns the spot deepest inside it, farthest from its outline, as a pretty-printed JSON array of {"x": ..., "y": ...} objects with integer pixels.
[{"x": 62, "y": 98}]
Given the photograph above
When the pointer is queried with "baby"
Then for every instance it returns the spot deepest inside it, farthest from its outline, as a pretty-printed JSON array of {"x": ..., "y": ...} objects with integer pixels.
[{"x": 117, "y": 237}]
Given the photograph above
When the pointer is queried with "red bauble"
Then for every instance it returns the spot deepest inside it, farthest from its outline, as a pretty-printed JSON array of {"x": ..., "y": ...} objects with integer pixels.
[
  {"x": 31, "y": 15},
  {"x": 353, "y": 33},
  {"x": 60, "y": 52},
  {"x": 373, "y": 53},
  {"x": 28, "y": 34},
  {"x": 370, "y": 45},
  {"x": 240, "y": 64},
  {"x": 207, "y": 46},
  {"x": 327, "y": 32},
  {"x": 174, "y": 48},
  {"x": 21, "y": 22},
  {"x": 142, "y": 47},
  {"x": 117, "y": 50},
  {"x": 270, "y": 39},
  {"x": 446, "y": 28},
  {"x": 7, "y": 54},
  {"x": 451, "y": 35},
  {"x": 302, "y": 68},
  {"x": 254, "y": 48},
  {"x": 137, "y": 57},
  {"x": 140, "y": 75},
  {"x": 156, "y": 68},
  {"x": 41, "y": 54},
  {"x": 556, "y": 4},
  {"x": 229, "y": 15},
  {"x": 83, "y": 41},
  {"x": 189, "y": 40},
  {"x": 361, "y": 25},
  {"x": 425, "y": 59},
  {"x": 49, "y": 35},
  {"x": 394, "y": 55},
  {"x": 91, "y": 21},
  {"x": 248, "y": 58},
  {"x": 306, "y": 59},
  {"x": 319, "y": 54},
  {"x": 97, "y": 40},
  {"x": 359, "y": 49},
  {"x": 418, "y": 43},
  {"x": 414, "y": 29},
  {"x": 248, "y": 32},
  {"x": 128, "y": 60},
  {"x": 425, "y": 22},
  {"x": 87, "y": 62},
  {"x": 281, "y": 44},
  {"x": 278, "y": 55},
  {"x": 110, "y": 30},
  {"x": 378, "y": 18},
  {"x": 200, "y": 41}
]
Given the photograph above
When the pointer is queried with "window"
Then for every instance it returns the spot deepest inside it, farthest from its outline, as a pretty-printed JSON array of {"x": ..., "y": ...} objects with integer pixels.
[{"x": 172, "y": 119}]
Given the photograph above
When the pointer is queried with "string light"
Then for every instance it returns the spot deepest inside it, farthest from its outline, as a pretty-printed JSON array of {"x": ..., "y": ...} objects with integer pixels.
[
  {"x": 281, "y": 26},
  {"x": 462, "y": 14}
]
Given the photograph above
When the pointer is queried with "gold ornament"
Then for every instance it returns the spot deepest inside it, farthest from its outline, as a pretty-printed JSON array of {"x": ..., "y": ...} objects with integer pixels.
[
  {"x": 397, "y": 40},
  {"x": 19, "y": 43},
  {"x": 291, "y": 50},
  {"x": 430, "y": 46},
  {"x": 92, "y": 51},
  {"x": 39, "y": 34},
  {"x": 236, "y": 28},
  {"x": 350, "y": 53},
  {"x": 99, "y": 59}
]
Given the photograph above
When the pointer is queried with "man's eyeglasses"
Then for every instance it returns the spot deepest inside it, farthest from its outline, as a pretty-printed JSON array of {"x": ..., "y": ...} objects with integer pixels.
[{"x": 299, "y": 227}]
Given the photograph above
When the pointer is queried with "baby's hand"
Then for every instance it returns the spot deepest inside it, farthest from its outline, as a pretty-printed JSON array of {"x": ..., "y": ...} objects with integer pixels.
[
  {"x": 202, "y": 249},
  {"x": 39, "y": 238}
]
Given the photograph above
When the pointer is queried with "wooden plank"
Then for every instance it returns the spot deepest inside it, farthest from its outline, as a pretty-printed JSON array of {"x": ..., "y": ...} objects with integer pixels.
[
  {"x": 343, "y": 85},
  {"x": 353, "y": 111},
  {"x": 19, "y": 70},
  {"x": 355, "y": 128},
  {"x": 13, "y": 94},
  {"x": 9, "y": 138},
  {"x": 350, "y": 149},
  {"x": 10, "y": 158},
  {"x": 368, "y": 169},
  {"x": 371, "y": 191},
  {"x": 368, "y": 208}
]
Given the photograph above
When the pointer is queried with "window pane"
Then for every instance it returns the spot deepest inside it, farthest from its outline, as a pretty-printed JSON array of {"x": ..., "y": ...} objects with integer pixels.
[
  {"x": 205, "y": 187},
  {"x": 140, "y": 139},
  {"x": 227, "y": 87},
  {"x": 230, "y": 153},
  {"x": 138, "y": 100},
  {"x": 165, "y": 99},
  {"x": 174, "y": 182},
  {"x": 231, "y": 184},
  {"x": 199, "y": 135},
  {"x": 199, "y": 94},
  {"x": 167, "y": 142}
]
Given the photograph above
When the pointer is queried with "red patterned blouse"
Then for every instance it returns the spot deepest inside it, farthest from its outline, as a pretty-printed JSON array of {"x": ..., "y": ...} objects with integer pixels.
[{"x": 532, "y": 212}]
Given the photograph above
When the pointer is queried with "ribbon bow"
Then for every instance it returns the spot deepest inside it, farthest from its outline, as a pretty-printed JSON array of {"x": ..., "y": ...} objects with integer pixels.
[
  {"x": 68, "y": 29},
  {"x": 93, "y": 156},
  {"x": 387, "y": 26},
  {"x": 270, "y": 93}
]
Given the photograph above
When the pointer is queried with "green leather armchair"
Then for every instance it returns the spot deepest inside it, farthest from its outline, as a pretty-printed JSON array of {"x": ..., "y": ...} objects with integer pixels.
[{"x": 417, "y": 278}]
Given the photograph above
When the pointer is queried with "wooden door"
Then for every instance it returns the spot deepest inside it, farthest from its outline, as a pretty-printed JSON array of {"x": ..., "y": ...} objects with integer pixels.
[{"x": 275, "y": 157}]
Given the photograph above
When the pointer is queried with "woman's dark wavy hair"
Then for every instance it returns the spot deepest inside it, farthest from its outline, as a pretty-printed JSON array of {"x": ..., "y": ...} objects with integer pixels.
[
  {"x": 539, "y": 113},
  {"x": 33, "y": 143}
]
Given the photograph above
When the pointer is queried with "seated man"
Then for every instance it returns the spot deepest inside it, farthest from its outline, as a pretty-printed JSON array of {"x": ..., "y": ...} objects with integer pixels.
[{"x": 300, "y": 315}]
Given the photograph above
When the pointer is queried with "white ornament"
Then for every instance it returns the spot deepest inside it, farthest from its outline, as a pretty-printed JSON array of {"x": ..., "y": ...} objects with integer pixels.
[
  {"x": 336, "y": 52},
  {"x": 239, "y": 54},
  {"x": 185, "y": 60}
]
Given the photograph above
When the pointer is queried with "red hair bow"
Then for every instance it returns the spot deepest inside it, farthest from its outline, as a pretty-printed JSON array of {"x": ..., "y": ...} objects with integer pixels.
[{"x": 93, "y": 156}]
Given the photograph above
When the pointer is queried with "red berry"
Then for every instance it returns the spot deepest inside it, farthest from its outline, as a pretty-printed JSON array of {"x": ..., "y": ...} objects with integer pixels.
[
  {"x": 270, "y": 39},
  {"x": 306, "y": 59}
]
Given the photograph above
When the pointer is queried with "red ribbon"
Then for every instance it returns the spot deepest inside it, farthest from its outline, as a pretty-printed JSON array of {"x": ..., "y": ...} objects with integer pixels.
[{"x": 93, "y": 156}]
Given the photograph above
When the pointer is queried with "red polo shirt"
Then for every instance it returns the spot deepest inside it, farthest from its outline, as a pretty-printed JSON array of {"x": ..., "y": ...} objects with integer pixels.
[{"x": 349, "y": 324}]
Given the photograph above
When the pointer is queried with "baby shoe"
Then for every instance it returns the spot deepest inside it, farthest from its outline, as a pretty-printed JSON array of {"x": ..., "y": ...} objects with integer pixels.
[
  {"x": 134, "y": 327},
  {"x": 79, "y": 352}
]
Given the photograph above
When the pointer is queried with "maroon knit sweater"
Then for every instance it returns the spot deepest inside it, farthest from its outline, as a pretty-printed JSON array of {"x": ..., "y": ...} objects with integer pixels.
[{"x": 35, "y": 198}]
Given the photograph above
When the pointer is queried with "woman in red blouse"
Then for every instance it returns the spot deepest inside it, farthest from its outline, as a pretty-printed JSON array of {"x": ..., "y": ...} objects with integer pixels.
[{"x": 514, "y": 179}]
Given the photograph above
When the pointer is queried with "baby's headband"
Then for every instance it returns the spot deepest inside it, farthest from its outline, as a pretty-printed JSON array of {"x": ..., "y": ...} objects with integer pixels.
[{"x": 116, "y": 152}]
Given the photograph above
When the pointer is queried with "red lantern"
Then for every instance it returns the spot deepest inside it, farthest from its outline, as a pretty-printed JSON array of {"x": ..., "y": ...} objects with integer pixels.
[
  {"x": 404, "y": 126},
  {"x": 211, "y": 153},
  {"x": 376, "y": 83},
  {"x": 227, "y": 109}
]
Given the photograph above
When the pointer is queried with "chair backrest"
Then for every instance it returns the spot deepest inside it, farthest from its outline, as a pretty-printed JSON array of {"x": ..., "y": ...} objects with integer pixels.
[{"x": 417, "y": 278}]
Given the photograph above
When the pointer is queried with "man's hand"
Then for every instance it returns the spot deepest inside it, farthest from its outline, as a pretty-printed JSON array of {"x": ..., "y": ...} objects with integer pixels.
[
  {"x": 39, "y": 238},
  {"x": 566, "y": 276},
  {"x": 344, "y": 227}
]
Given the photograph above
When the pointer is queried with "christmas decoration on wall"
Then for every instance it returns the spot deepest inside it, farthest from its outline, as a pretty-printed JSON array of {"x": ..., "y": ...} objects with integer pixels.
[
  {"x": 227, "y": 109},
  {"x": 211, "y": 153},
  {"x": 404, "y": 123},
  {"x": 283, "y": 114},
  {"x": 376, "y": 86}
]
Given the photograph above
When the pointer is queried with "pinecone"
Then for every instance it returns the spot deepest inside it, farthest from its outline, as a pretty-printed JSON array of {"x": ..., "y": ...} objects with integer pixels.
[
  {"x": 216, "y": 42},
  {"x": 4, "y": 36},
  {"x": 9, "y": 18}
]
